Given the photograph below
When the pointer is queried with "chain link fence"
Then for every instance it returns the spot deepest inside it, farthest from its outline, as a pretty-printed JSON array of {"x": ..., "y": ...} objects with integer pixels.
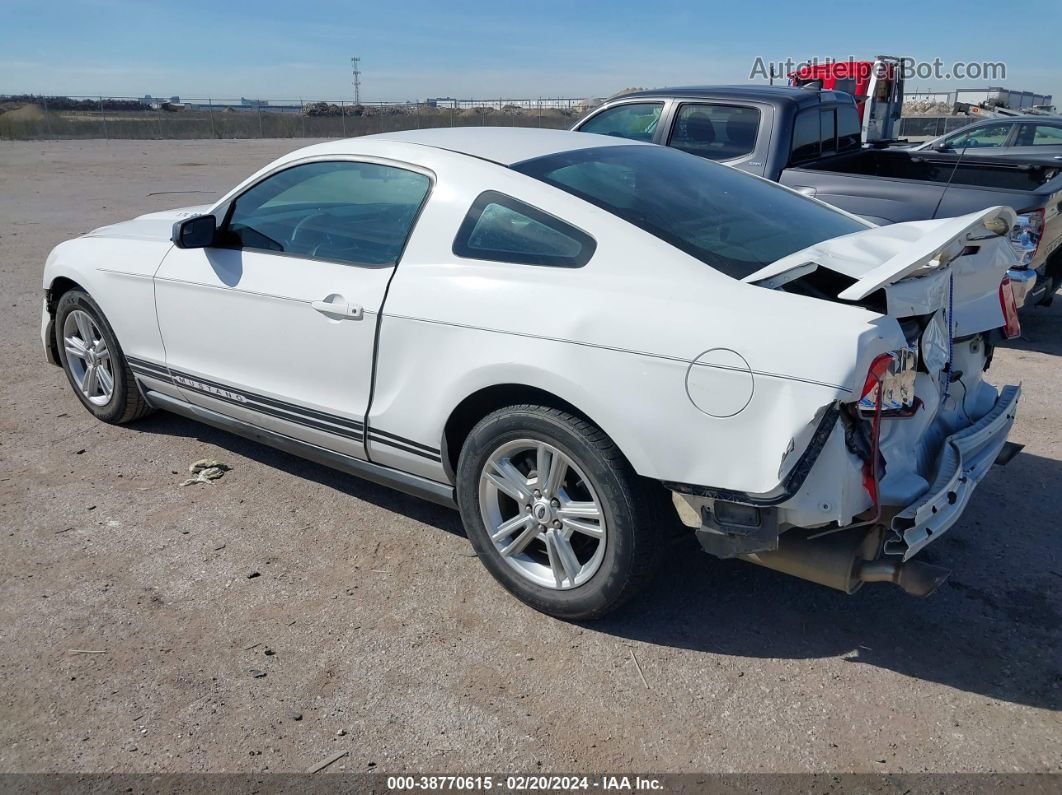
[{"x": 31, "y": 117}]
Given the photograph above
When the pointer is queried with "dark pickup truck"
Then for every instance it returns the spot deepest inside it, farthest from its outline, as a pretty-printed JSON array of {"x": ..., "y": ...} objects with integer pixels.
[{"x": 809, "y": 140}]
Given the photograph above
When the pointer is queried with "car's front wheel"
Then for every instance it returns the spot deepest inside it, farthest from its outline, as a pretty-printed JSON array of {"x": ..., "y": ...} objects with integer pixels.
[
  {"x": 555, "y": 511},
  {"x": 93, "y": 360}
]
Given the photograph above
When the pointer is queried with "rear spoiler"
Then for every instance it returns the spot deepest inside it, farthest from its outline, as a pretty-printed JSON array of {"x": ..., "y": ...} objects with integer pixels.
[{"x": 937, "y": 247}]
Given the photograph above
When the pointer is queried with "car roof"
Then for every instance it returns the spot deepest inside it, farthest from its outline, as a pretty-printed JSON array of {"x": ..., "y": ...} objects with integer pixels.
[
  {"x": 503, "y": 145},
  {"x": 1047, "y": 121},
  {"x": 782, "y": 95}
]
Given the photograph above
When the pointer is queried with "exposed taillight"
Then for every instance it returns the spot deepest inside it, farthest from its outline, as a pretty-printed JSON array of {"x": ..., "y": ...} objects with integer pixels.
[
  {"x": 890, "y": 384},
  {"x": 1011, "y": 325},
  {"x": 875, "y": 384},
  {"x": 879, "y": 368},
  {"x": 1026, "y": 234}
]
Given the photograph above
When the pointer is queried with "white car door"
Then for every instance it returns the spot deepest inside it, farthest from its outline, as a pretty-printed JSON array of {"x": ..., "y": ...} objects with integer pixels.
[{"x": 275, "y": 323}]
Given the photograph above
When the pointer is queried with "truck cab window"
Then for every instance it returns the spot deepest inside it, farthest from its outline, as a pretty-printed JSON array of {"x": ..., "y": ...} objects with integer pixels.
[
  {"x": 718, "y": 132},
  {"x": 849, "y": 134},
  {"x": 635, "y": 120},
  {"x": 806, "y": 136},
  {"x": 828, "y": 131}
]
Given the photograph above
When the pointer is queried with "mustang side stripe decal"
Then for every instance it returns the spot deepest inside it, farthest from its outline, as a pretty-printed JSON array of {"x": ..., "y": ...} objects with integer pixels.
[
  {"x": 145, "y": 373},
  {"x": 375, "y": 439},
  {"x": 141, "y": 374},
  {"x": 242, "y": 396},
  {"x": 292, "y": 408},
  {"x": 136, "y": 368},
  {"x": 289, "y": 412},
  {"x": 310, "y": 418},
  {"x": 404, "y": 440},
  {"x": 145, "y": 365},
  {"x": 220, "y": 394}
]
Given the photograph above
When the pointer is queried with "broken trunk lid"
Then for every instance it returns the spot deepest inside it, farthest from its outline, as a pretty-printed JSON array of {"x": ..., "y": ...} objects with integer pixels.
[{"x": 884, "y": 255}]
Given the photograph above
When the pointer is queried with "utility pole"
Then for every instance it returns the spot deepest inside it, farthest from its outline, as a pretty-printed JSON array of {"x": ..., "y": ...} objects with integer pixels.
[{"x": 355, "y": 68}]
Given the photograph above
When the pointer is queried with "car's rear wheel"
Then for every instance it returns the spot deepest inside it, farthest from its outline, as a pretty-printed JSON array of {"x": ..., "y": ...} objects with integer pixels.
[
  {"x": 555, "y": 511},
  {"x": 93, "y": 361}
]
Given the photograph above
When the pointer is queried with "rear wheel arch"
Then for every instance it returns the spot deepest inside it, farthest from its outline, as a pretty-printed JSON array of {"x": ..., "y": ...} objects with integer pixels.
[{"x": 489, "y": 399}]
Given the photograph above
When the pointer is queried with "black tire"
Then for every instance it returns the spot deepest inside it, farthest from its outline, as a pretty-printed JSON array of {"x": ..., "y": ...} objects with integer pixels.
[
  {"x": 631, "y": 505},
  {"x": 126, "y": 402}
]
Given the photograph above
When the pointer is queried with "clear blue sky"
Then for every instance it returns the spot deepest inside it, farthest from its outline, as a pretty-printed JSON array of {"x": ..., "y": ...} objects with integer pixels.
[{"x": 491, "y": 48}]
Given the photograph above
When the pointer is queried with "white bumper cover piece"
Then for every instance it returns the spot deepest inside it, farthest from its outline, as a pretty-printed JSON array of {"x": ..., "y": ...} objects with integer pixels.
[{"x": 964, "y": 461}]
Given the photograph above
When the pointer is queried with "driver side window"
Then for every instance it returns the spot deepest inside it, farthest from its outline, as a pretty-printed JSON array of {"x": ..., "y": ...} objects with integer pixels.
[{"x": 358, "y": 213}]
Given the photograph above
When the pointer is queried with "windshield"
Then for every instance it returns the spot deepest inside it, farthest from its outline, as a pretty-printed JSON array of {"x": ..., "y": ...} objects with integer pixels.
[{"x": 724, "y": 217}]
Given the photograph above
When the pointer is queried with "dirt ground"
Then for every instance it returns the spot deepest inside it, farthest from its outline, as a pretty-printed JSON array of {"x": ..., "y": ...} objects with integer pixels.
[{"x": 378, "y": 632}]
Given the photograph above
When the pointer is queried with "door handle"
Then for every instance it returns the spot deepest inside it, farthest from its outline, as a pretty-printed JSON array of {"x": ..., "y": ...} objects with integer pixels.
[{"x": 339, "y": 309}]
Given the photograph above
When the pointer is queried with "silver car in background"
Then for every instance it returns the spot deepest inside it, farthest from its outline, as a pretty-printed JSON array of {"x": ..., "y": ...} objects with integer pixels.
[{"x": 1017, "y": 137}]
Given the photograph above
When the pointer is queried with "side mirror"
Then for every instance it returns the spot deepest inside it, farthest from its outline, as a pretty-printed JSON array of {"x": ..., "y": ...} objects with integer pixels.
[
  {"x": 942, "y": 146},
  {"x": 195, "y": 232}
]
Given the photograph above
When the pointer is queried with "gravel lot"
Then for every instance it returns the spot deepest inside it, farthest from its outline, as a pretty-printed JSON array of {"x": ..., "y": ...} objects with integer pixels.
[{"x": 372, "y": 621}]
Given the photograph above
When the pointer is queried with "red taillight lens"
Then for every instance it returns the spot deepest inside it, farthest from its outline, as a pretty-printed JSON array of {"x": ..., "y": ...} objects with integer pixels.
[
  {"x": 1011, "y": 326},
  {"x": 878, "y": 368}
]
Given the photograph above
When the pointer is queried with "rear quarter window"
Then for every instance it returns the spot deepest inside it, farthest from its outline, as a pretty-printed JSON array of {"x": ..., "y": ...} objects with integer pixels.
[{"x": 500, "y": 228}]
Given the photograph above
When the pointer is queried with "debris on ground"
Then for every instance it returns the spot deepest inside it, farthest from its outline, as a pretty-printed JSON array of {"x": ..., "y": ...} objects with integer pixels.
[
  {"x": 329, "y": 761},
  {"x": 639, "y": 667},
  {"x": 206, "y": 470}
]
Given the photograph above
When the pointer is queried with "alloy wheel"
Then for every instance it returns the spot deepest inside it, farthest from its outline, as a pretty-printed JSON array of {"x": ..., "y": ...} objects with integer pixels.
[
  {"x": 88, "y": 357},
  {"x": 542, "y": 513}
]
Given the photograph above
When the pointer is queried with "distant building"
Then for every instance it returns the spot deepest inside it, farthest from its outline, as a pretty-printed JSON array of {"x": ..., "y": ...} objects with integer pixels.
[
  {"x": 991, "y": 96},
  {"x": 156, "y": 102},
  {"x": 557, "y": 103}
]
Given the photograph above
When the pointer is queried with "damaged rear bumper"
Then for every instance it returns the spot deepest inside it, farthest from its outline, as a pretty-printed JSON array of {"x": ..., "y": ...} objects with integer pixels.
[{"x": 964, "y": 460}]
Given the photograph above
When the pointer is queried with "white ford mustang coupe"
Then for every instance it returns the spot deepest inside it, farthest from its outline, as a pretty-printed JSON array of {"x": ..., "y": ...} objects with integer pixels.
[{"x": 583, "y": 343}]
